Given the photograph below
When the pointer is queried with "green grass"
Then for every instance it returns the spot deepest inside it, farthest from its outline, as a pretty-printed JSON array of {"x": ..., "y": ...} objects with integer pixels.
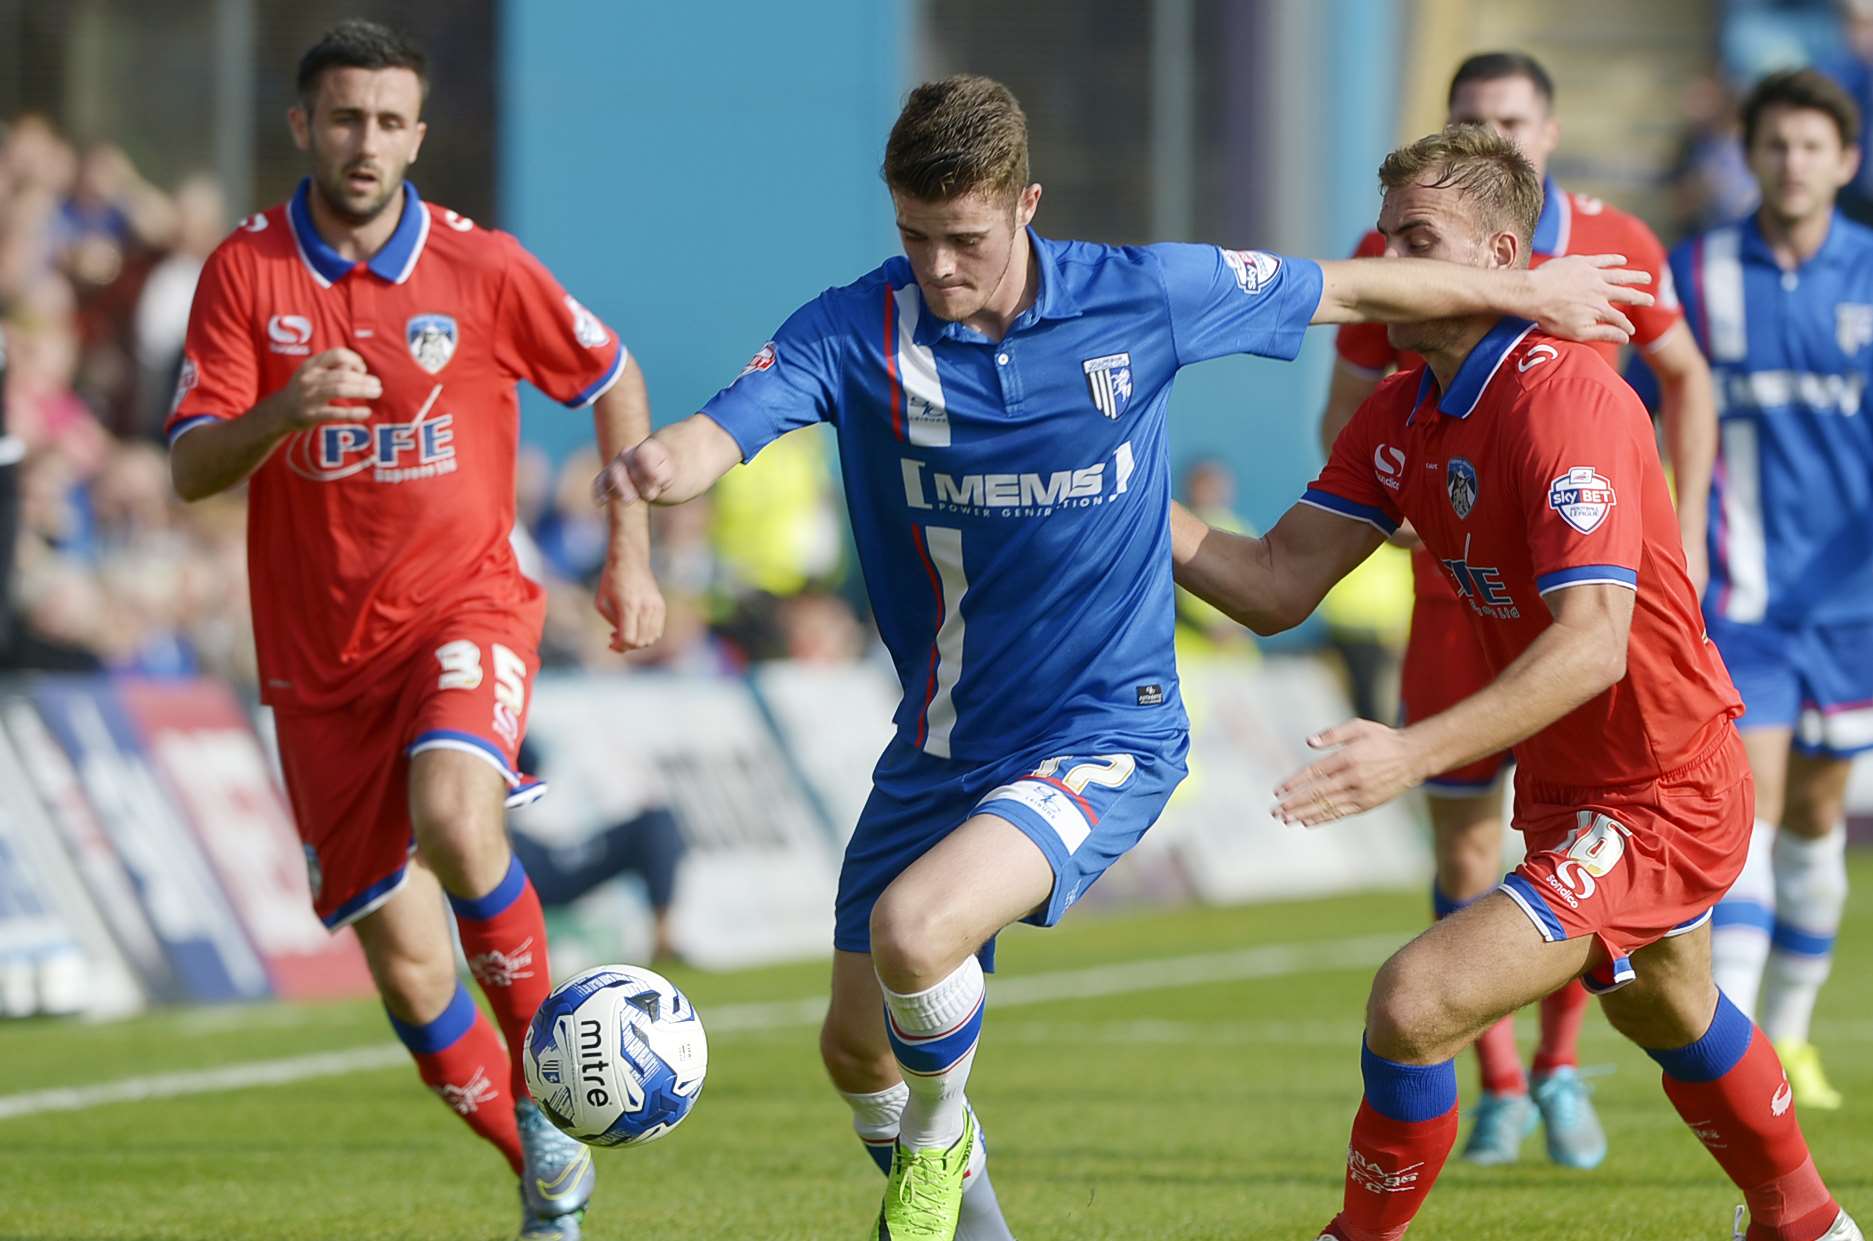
[{"x": 1177, "y": 1113}]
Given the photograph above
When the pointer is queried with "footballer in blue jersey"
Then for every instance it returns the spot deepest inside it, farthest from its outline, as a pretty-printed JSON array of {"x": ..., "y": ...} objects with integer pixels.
[
  {"x": 1782, "y": 304},
  {"x": 999, "y": 399}
]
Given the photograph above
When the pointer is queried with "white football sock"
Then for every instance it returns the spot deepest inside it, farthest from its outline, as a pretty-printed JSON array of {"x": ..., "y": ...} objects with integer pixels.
[
  {"x": 1739, "y": 937},
  {"x": 1810, "y": 891},
  {"x": 933, "y": 1034},
  {"x": 875, "y": 1117}
]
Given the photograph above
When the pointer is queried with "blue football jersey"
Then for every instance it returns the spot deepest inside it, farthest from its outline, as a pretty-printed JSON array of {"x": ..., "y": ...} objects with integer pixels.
[
  {"x": 1791, "y": 516},
  {"x": 1010, "y": 499}
]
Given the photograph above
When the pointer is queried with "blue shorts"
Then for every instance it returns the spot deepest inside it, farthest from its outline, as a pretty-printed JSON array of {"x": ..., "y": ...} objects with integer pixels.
[
  {"x": 1083, "y": 805},
  {"x": 1814, "y": 679}
]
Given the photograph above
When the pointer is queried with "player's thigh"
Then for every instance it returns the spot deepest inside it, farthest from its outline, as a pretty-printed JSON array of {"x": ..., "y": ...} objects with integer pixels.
[
  {"x": 949, "y": 902},
  {"x": 1671, "y": 998},
  {"x": 1441, "y": 990},
  {"x": 1814, "y": 800},
  {"x": 457, "y": 812},
  {"x": 1467, "y": 842},
  {"x": 407, "y": 945},
  {"x": 852, "y": 1038},
  {"x": 1769, "y": 756}
]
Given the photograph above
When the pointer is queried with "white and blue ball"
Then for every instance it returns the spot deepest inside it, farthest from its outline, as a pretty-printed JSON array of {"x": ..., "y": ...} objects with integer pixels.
[{"x": 616, "y": 1056}]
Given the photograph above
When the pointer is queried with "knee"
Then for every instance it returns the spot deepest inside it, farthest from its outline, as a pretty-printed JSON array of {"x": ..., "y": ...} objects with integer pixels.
[
  {"x": 414, "y": 988},
  {"x": 452, "y": 824},
  {"x": 907, "y": 942},
  {"x": 1812, "y": 814},
  {"x": 1402, "y": 1014},
  {"x": 1469, "y": 861},
  {"x": 1661, "y": 1017}
]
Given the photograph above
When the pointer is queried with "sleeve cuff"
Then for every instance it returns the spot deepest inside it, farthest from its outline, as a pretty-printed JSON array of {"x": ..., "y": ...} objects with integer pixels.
[
  {"x": 1374, "y": 517},
  {"x": 600, "y": 386},
  {"x": 183, "y": 426},
  {"x": 1588, "y": 575}
]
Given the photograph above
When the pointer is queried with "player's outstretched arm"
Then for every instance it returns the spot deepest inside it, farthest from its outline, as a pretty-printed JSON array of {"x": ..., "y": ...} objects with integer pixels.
[
  {"x": 216, "y": 455},
  {"x": 1274, "y": 582},
  {"x": 676, "y": 464},
  {"x": 1688, "y": 408},
  {"x": 1576, "y": 658},
  {"x": 628, "y": 596},
  {"x": 1577, "y": 297}
]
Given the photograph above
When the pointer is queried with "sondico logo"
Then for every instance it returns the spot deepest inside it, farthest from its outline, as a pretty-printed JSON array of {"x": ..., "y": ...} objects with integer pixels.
[
  {"x": 1389, "y": 464},
  {"x": 1017, "y": 495},
  {"x": 289, "y": 334},
  {"x": 1599, "y": 843}
]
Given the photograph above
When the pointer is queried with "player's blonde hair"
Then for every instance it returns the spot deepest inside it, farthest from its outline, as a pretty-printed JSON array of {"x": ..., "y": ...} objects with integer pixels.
[
  {"x": 958, "y": 135},
  {"x": 1483, "y": 167}
]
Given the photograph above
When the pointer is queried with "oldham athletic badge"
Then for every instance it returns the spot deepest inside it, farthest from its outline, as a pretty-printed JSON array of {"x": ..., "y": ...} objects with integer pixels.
[
  {"x": 432, "y": 340},
  {"x": 1460, "y": 480},
  {"x": 1109, "y": 379}
]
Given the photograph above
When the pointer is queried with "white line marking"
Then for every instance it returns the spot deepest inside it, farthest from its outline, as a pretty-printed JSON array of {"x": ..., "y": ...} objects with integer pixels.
[{"x": 1271, "y": 961}]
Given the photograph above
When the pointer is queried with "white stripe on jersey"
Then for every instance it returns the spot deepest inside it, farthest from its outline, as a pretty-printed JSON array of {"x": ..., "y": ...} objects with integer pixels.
[
  {"x": 925, "y": 417},
  {"x": 1843, "y": 730},
  {"x": 1566, "y": 230},
  {"x": 1743, "y": 547},
  {"x": 1723, "y": 295},
  {"x": 946, "y": 553}
]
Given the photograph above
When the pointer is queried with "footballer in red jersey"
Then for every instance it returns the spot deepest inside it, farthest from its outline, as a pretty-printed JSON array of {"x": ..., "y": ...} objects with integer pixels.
[
  {"x": 1529, "y": 470},
  {"x": 352, "y": 356},
  {"x": 1513, "y": 95}
]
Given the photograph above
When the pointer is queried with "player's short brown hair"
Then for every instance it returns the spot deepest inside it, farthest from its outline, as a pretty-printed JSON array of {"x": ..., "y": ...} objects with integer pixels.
[
  {"x": 1485, "y": 168},
  {"x": 958, "y": 135},
  {"x": 359, "y": 44},
  {"x": 1802, "y": 88}
]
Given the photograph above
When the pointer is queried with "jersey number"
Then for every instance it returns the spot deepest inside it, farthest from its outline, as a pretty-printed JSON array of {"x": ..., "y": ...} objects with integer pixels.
[{"x": 1108, "y": 771}]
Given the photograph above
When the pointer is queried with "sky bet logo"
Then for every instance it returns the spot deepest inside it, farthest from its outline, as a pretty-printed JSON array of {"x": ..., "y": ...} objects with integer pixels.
[
  {"x": 395, "y": 452},
  {"x": 1017, "y": 495}
]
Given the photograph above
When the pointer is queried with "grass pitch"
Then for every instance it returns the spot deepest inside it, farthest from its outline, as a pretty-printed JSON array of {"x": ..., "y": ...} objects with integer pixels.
[{"x": 1203, "y": 1093}]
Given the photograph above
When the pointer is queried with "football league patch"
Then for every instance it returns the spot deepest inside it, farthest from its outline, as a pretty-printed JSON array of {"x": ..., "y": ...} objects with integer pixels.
[
  {"x": 762, "y": 360},
  {"x": 1583, "y": 497},
  {"x": 586, "y": 328},
  {"x": 1255, "y": 269},
  {"x": 432, "y": 340}
]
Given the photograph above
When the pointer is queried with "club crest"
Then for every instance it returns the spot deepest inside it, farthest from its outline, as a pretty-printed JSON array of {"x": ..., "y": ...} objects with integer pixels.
[
  {"x": 1109, "y": 379},
  {"x": 432, "y": 340},
  {"x": 1460, "y": 482}
]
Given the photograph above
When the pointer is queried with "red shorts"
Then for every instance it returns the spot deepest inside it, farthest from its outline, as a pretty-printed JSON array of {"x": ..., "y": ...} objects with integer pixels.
[
  {"x": 347, "y": 771},
  {"x": 1634, "y": 865},
  {"x": 1444, "y": 665}
]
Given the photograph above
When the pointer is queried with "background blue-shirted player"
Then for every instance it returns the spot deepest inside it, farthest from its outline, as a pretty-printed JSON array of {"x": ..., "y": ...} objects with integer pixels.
[
  {"x": 1782, "y": 304},
  {"x": 1000, "y": 399}
]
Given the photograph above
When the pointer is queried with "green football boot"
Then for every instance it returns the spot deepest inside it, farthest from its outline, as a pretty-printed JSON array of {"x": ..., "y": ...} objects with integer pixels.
[{"x": 924, "y": 1196}]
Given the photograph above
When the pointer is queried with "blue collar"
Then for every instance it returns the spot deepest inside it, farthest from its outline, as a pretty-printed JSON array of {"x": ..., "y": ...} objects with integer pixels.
[
  {"x": 1556, "y": 222},
  {"x": 1479, "y": 367},
  {"x": 394, "y": 260},
  {"x": 1053, "y": 301},
  {"x": 1755, "y": 246}
]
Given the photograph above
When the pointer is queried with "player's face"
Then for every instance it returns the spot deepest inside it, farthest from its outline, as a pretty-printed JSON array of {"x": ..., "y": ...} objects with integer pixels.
[
  {"x": 962, "y": 249},
  {"x": 1515, "y": 110},
  {"x": 1799, "y": 162},
  {"x": 363, "y": 133},
  {"x": 1428, "y": 222}
]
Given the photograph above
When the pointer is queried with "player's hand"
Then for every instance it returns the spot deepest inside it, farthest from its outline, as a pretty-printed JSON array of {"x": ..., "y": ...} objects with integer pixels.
[
  {"x": 1579, "y": 297},
  {"x": 323, "y": 379},
  {"x": 628, "y": 597},
  {"x": 1371, "y": 765},
  {"x": 643, "y": 471}
]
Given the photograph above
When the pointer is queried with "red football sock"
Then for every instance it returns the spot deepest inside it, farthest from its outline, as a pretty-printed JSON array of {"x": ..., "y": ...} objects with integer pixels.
[
  {"x": 1730, "y": 1088},
  {"x": 1501, "y": 1064},
  {"x": 460, "y": 1057},
  {"x": 1402, "y": 1134},
  {"x": 1561, "y": 1015},
  {"x": 504, "y": 939}
]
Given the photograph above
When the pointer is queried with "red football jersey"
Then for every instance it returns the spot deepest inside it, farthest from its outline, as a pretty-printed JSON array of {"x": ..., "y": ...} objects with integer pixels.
[
  {"x": 1570, "y": 224},
  {"x": 363, "y": 537},
  {"x": 1535, "y": 472}
]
